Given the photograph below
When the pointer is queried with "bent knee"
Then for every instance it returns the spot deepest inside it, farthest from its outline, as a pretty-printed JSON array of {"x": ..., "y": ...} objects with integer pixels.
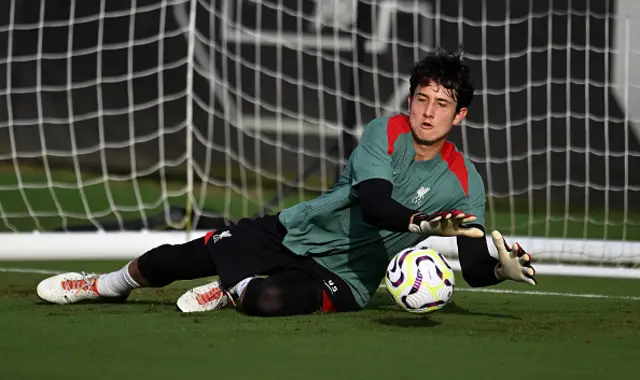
[
  {"x": 266, "y": 299},
  {"x": 269, "y": 301}
]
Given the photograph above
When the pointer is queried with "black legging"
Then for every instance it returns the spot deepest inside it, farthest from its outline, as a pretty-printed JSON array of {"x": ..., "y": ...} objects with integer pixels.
[
  {"x": 287, "y": 292},
  {"x": 167, "y": 263}
]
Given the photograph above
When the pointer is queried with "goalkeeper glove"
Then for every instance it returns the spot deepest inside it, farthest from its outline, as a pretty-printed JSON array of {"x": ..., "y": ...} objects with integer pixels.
[
  {"x": 445, "y": 223},
  {"x": 514, "y": 263}
]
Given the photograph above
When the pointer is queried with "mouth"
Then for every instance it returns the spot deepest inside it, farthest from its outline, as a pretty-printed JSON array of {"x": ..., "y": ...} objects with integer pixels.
[{"x": 426, "y": 125}]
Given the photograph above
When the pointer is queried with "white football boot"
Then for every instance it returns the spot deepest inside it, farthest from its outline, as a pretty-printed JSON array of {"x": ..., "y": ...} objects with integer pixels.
[
  {"x": 72, "y": 287},
  {"x": 204, "y": 298}
]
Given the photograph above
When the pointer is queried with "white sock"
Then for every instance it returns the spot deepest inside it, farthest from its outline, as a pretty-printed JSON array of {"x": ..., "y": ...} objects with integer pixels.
[
  {"x": 116, "y": 283},
  {"x": 241, "y": 286}
]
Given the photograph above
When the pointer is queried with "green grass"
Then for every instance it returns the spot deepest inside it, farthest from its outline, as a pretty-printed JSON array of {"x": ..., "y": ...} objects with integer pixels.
[
  {"x": 28, "y": 209},
  {"x": 479, "y": 335}
]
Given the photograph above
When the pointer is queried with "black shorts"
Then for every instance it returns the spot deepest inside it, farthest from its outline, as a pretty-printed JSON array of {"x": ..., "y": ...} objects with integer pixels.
[{"x": 253, "y": 247}]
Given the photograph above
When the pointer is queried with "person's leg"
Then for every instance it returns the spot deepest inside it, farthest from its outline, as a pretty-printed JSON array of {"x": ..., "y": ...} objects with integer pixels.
[
  {"x": 158, "y": 267},
  {"x": 168, "y": 263},
  {"x": 289, "y": 292},
  {"x": 252, "y": 247}
]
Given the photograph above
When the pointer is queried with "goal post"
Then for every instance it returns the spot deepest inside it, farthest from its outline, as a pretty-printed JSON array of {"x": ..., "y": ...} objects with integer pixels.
[{"x": 124, "y": 125}]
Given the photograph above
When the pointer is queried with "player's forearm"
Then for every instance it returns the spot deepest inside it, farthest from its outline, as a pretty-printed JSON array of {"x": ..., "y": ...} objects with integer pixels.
[
  {"x": 477, "y": 264},
  {"x": 379, "y": 209}
]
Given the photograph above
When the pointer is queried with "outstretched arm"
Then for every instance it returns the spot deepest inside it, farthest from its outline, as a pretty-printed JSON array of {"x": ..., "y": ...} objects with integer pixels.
[{"x": 382, "y": 211}]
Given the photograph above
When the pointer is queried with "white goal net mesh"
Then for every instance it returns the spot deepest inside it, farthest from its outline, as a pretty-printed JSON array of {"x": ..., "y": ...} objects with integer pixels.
[{"x": 195, "y": 113}]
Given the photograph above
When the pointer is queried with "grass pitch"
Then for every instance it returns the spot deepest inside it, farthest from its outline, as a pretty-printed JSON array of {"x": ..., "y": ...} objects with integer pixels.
[{"x": 563, "y": 333}]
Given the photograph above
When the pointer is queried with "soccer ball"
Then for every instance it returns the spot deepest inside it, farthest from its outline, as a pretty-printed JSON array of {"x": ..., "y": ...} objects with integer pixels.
[{"x": 420, "y": 280}]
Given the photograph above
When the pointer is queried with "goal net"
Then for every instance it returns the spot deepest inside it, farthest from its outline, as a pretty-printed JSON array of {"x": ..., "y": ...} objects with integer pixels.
[{"x": 128, "y": 124}]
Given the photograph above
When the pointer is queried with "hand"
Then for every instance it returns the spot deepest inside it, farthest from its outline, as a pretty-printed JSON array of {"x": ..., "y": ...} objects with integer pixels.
[
  {"x": 445, "y": 223},
  {"x": 515, "y": 263}
]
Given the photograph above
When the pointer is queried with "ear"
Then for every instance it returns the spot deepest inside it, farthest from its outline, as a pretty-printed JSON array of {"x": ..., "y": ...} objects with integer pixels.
[
  {"x": 460, "y": 116},
  {"x": 409, "y": 98}
]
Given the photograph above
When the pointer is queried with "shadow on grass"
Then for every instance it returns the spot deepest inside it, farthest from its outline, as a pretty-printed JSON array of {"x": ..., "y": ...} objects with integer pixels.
[
  {"x": 405, "y": 319},
  {"x": 381, "y": 303},
  {"x": 454, "y": 309},
  {"x": 408, "y": 321}
]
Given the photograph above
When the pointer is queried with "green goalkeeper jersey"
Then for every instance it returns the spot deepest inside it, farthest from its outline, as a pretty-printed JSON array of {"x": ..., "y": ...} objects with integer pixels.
[{"x": 330, "y": 228}]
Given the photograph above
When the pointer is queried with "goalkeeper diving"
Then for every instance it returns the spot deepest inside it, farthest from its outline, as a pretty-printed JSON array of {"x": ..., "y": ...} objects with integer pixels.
[{"x": 403, "y": 183}]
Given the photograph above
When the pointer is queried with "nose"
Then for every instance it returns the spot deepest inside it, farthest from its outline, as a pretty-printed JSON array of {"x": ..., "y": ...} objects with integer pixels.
[{"x": 429, "y": 109}]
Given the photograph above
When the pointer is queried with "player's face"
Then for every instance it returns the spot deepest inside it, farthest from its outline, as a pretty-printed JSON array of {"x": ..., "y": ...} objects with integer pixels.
[{"x": 432, "y": 114}]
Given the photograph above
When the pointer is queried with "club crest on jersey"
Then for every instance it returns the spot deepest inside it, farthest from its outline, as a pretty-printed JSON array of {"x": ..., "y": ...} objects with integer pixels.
[
  {"x": 422, "y": 191},
  {"x": 221, "y": 235}
]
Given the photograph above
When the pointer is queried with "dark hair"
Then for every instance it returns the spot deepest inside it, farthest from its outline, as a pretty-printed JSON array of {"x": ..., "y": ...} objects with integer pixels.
[{"x": 447, "y": 70}]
